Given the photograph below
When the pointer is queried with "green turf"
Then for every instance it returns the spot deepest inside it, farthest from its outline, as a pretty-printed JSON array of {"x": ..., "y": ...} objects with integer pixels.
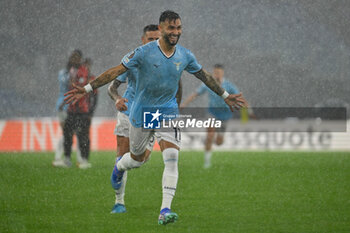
[{"x": 242, "y": 192}]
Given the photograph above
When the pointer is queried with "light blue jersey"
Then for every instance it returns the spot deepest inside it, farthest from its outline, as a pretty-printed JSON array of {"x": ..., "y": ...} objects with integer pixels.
[
  {"x": 158, "y": 78},
  {"x": 129, "y": 93},
  {"x": 63, "y": 80},
  {"x": 217, "y": 106}
]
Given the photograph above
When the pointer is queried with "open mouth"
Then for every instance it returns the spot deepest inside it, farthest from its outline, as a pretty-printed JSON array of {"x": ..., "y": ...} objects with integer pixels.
[{"x": 173, "y": 38}]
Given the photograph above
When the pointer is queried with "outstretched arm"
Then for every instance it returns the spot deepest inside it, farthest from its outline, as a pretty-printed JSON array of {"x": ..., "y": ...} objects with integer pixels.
[
  {"x": 113, "y": 93},
  {"x": 208, "y": 80},
  {"x": 232, "y": 100},
  {"x": 78, "y": 92}
]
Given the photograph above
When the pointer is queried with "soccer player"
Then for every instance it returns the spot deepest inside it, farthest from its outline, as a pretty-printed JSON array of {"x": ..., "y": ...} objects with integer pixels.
[
  {"x": 160, "y": 65},
  {"x": 78, "y": 120},
  {"x": 123, "y": 103},
  {"x": 65, "y": 77},
  {"x": 217, "y": 108}
]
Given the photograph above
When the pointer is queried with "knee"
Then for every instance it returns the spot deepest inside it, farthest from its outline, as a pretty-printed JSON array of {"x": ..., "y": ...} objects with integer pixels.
[
  {"x": 139, "y": 158},
  {"x": 170, "y": 154}
]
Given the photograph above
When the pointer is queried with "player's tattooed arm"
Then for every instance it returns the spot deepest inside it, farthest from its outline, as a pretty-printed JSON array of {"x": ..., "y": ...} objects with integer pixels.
[
  {"x": 108, "y": 76},
  {"x": 113, "y": 89},
  {"x": 113, "y": 93},
  {"x": 206, "y": 78},
  {"x": 78, "y": 92},
  {"x": 178, "y": 95},
  {"x": 232, "y": 100}
]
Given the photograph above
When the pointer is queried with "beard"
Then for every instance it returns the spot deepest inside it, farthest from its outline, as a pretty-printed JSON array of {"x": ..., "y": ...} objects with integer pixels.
[{"x": 170, "y": 41}]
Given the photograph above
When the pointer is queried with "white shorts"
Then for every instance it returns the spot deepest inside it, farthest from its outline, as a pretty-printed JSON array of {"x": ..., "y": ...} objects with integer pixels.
[
  {"x": 140, "y": 139},
  {"x": 122, "y": 126}
]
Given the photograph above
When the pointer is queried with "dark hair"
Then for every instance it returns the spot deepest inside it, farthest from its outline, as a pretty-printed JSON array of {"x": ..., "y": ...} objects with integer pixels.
[
  {"x": 78, "y": 51},
  {"x": 150, "y": 28},
  {"x": 219, "y": 66},
  {"x": 169, "y": 15},
  {"x": 72, "y": 61}
]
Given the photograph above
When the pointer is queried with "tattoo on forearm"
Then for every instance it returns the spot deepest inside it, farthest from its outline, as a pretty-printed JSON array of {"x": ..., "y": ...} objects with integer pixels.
[
  {"x": 206, "y": 78},
  {"x": 107, "y": 76},
  {"x": 113, "y": 89}
]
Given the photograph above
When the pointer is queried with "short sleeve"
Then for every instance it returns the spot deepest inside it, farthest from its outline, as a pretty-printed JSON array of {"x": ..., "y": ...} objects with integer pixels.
[
  {"x": 123, "y": 77},
  {"x": 193, "y": 66},
  {"x": 133, "y": 59},
  {"x": 201, "y": 89}
]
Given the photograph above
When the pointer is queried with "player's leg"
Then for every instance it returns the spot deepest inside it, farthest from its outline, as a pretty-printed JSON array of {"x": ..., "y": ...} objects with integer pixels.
[
  {"x": 169, "y": 143},
  {"x": 123, "y": 143},
  {"x": 79, "y": 157},
  {"x": 83, "y": 131},
  {"x": 122, "y": 135},
  {"x": 59, "y": 148},
  {"x": 58, "y": 161},
  {"x": 219, "y": 139},
  {"x": 220, "y": 134},
  {"x": 208, "y": 145},
  {"x": 149, "y": 149},
  {"x": 122, "y": 148},
  {"x": 139, "y": 141},
  {"x": 68, "y": 131},
  {"x": 170, "y": 154}
]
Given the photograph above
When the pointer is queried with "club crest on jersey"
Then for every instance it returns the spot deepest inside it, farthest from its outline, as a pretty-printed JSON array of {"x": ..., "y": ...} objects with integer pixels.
[{"x": 177, "y": 65}]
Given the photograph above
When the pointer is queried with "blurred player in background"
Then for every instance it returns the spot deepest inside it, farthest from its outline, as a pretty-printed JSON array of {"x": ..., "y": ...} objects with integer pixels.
[
  {"x": 217, "y": 108},
  {"x": 160, "y": 65},
  {"x": 93, "y": 97},
  {"x": 65, "y": 77},
  {"x": 79, "y": 118},
  {"x": 123, "y": 104}
]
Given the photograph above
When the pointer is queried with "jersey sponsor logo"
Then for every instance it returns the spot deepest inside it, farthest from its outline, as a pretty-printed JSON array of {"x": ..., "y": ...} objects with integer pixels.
[{"x": 177, "y": 65}]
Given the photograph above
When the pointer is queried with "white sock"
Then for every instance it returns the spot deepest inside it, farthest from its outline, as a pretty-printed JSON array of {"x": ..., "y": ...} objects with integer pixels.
[
  {"x": 59, "y": 149},
  {"x": 119, "y": 194},
  {"x": 127, "y": 163},
  {"x": 170, "y": 176},
  {"x": 207, "y": 158}
]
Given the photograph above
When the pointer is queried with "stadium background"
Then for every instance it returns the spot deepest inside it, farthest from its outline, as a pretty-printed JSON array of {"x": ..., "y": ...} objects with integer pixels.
[{"x": 279, "y": 53}]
